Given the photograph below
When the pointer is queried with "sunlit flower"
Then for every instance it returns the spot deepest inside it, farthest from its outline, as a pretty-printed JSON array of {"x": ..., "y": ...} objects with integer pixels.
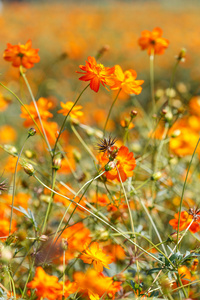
[
  {"x": 120, "y": 166},
  {"x": 96, "y": 74},
  {"x": 95, "y": 255},
  {"x": 3, "y": 103},
  {"x": 77, "y": 236},
  {"x": 153, "y": 41},
  {"x": 185, "y": 220},
  {"x": 22, "y": 55},
  {"x": 7, "y": 134},
  {"x": 43, "y": 105},
  {"x": 95, "y": 284},
  {"x": 126, "y": 81},
  {"x": 46, "y": 286},
  {"x": 75, "y": 113}
]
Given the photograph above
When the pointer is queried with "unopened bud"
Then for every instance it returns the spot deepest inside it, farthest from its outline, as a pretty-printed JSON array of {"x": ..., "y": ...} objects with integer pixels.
[
  {"x": 168, "y": 116},
  {"x": 31, "y": 132},
  {"x": 28, "y": 168},
  {"x": 176, "y": 133},
  {"x": 156, "y": 176},
  {"x": 10, "y": 149},
  {"x": 77, "y": 155},
  {"x": 29, "y": 154},
  {"x": 64, "y": 244},
  {"x": 133, "y": 113},
  {"x": 182, "y": 54},
  {"x": 43, "y": 238},
  {"x": 57, "y": 161}
]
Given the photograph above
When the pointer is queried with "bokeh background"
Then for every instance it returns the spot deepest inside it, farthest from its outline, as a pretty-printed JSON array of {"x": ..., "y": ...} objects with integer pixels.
[{"x": 67, "y": 32}]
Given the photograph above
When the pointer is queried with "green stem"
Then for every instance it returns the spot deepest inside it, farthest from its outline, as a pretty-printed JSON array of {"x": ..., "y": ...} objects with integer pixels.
[
  {"x": 82, "y": 142},
  {"x": 65, "y": 119},
  {"x": 184, "y": 186},
  {"x": 50, "y": 201},
  {"x": 109, "y": 113},
  {"x": 172, "y": 82},
  {"x": 14, "y": 183},
  {"x": 36, "y": 107},
  {"x": 152, "y": 80}
]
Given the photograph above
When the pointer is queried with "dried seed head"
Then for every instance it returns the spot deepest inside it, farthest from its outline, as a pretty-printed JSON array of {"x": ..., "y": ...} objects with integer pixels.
[
  {"x": 3, "y": 187},
  {"x": 195, "y": 213},
  {"x": 105, "y": 144}
]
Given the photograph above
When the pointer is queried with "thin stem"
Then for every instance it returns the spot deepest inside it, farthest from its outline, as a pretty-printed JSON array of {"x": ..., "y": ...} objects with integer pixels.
[
  {"x": 14, "y": 183},
  {"x": 109, "y": 113},
  {"x": 50, "y": 202},
  {"x": 36, "y": 107},
  {"x": 152, "y": 80},
  {"x": 65, "y": 119},
  {"x": 172, "y": 81},
  {"x": 184, "y": 186},
  {"x": 82, "y": 142}
]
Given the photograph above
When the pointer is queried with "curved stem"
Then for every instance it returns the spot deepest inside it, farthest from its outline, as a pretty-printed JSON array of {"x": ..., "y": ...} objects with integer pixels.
[
  {"x": 65, "y": 119},
  {"x": 104, "y": 129},
  {"x": 82, "y": 142},
  {"x": 172, "y": 81},
  {"x": 50, "y": 201},
  {"x": 152, "y": 80}
]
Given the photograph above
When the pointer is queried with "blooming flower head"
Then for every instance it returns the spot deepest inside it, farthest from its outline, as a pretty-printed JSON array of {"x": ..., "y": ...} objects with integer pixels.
[
  {"x": 75, "y": 112},
  {"x": 119, "y": 164},
  {"x": 22, "y": 55},
  {"x": 43, "y": 105},
  {"x": 46, "y": 286},
  {"x": 185, "y": 220},
  {"x": 95, "y": 255},
  {"x": 126, "y": 81},
  {"x": 95, "y": 284},
  {"x": 96, "y": 74},
  {"x": 153, "y": 42}
]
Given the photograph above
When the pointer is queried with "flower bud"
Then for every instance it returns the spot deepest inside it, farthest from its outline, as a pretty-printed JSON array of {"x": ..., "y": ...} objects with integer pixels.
[
  {"x": 181, "y": 56},
  {"x": 156, "y": 176},
  {"x": 57, "y": 161},
  {"x": 77, "y": 155},
  {"x": 29, "y": 154},
  {"x": 31, "y": 132},
  {"x": 43, "y": 238},
  {"x": 10, "y": 149},
  {"x": 64, "y": 244},
  {"x": 133, "y": 113},
  {"x": 28, "y": 168},
  {"x": 175, "y": 133}
]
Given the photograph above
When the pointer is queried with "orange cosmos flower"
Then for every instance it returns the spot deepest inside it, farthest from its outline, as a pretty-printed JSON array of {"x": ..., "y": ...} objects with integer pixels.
[
  {"x": 75, "y": 113},
  {"x": 22, "y": 55},
  {"x": 77, "y": 236},
  {"x": 126, "y": 81},
  {"x": 96, "y": 74},
  {"x": 46, "y": 286},
  {"x": 185, "y": 221},
  {"x": 153, "y": 42},
  {"x": 43, "y": 105},
  {"x": 96, "y": 285},
  {"x": 96, "y": 256},
  {"x": 119, "y": 167}
]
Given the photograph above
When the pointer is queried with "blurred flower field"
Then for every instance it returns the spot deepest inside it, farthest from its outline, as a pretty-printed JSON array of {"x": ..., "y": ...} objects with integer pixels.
[{"x": 99, "y": 149}]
